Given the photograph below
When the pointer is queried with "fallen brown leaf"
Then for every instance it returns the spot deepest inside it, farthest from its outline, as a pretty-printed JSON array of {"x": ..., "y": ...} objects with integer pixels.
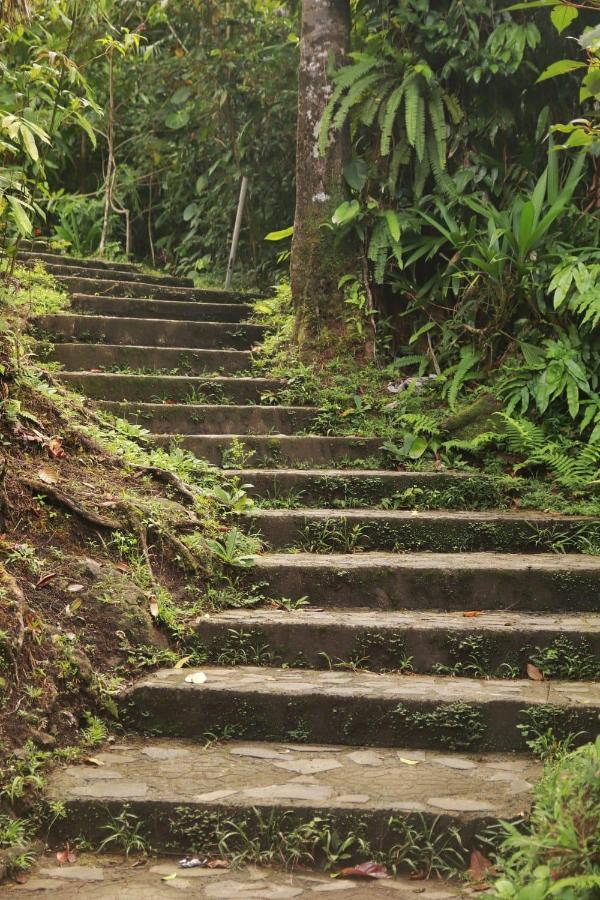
[
  {"x": 75, "y": 588},
  {"x": 21, "y": 878},
  {"x": 56, "y": 449},
  {"x": 66, "y": 856},
  {"x": 217, "y": 864},
  {"x": 365, "y": 870},
  {"x": 46, "y": 579},
  {"x": 471, "y": 614},
  {"x": 154, "y": 610},
  {"x": 534, "y": 673},
  {"x": 47, "y": 476},
  {"x": 479, "y": 867}
]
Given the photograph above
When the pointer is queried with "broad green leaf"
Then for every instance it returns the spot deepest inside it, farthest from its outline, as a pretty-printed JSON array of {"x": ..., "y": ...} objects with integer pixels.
[
  {"x": 417, "y": 447},
  {"x": 561, "y": 67},
  {"x": 393, "y": 223},
  {"x": 346, "y": 212},
  {"x": 190, "y": 211},
  {"x": 201, "y": 183},
  {"x": 533, "y": 5},
  {"x": 280, "y": 235},
  {"x": 181, "y": 95},
  {"x": 29, "y": 143},
  {"x": 355, "y": 173},
  {"x": 177, "y": 119},
  {"x": 22, "y": 220},
  {"x": 423, "y": 330},
  {"x": 562, "y": 16},
  {"x": 526, "y": 225}
]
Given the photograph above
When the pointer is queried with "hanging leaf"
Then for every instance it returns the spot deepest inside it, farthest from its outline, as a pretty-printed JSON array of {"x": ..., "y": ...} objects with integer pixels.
[
  {"x": 561, "y": 67},
  {"x": 280, "y": 235},
  {"x": 355, "y": 173},
  {"x": 562, "y": 16}
]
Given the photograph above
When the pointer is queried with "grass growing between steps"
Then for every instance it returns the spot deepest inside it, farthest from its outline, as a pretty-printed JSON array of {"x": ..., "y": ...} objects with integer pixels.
[
  {"x": 465, "y": 418},
  {"x": 107, "y": 546}
]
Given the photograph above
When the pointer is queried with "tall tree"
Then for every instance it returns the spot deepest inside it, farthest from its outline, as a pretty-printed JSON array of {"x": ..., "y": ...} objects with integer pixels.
[{"x": 317, "y": 266}]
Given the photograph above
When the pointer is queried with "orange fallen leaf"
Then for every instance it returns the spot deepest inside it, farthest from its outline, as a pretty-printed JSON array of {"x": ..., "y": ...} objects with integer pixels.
[
  {"x": 154, "y": 610},
  {"x": 472, "y": 613},
  {"x": 47, "y": 476},
  {"x": 534, "y": 673},
  {"x": 479, "y": 867},
  {"x": 217, "y": 864}
]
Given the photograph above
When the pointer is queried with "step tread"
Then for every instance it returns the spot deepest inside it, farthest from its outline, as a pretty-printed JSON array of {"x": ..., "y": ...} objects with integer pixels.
[
  {"x": 255, "y": 680},
  {"x": 454, "y": 620},
  {"x": 548, "y": 562},
  {"x": 232, "y": 326},
  {"x": 171, "y": 305},
  {"x": 249, "y": 774},
  {"x": 122, "y": 348},
  {"x": 401, "y": 515},
  {"x": 180, "y": 407},
  {"x": 174, "y": 379}
]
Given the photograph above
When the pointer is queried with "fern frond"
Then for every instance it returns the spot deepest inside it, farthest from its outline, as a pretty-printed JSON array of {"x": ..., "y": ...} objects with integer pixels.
[
  {"x": 522, "y": 435},
  {"x": 391, "y": 109},
  {"x": 455, "y": 110},
  {"x": 414, "y": 114},
  {"x": 469, "y": 360},
  {"x": 378, "y": 250},
  {"x": 422, "y": 170},
  {"x": 400, "y": 157},
  {"x": 421, "y": 423},
  {"x": 442, "y": 180},
  {"x": 438, "y": 124},
  {"x": 353, "y": 96}
]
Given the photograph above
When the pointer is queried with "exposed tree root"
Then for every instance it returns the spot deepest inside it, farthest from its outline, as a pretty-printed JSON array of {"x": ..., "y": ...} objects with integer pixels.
[
  {"x": 65, "y": 500},
  {"x": 170, "y": 478},
  {"x": 19, "y": 607}
]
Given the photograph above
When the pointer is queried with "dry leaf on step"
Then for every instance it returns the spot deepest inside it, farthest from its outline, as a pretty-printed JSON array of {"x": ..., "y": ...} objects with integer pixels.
[{"x": 534, "y": 673}]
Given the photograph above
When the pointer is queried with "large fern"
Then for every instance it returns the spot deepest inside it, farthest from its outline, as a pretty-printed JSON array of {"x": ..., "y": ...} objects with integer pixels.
[{"x": 410, "y": 109}]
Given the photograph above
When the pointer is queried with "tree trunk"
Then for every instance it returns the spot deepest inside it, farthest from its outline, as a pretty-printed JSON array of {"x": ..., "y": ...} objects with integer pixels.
[{"x": 317, "y": 267}]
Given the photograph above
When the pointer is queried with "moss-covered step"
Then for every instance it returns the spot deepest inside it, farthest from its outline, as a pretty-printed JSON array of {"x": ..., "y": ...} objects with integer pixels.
[
  {"x": 443, "y": 581},
  {"x": 490, "y": 644},
  {"x": 57, "y": 259},
  {"x": 282, "y": 450},
  {"x": 73, "y": 269},
  {"x": 359, "y": 708},
  {"x": 358, "y": 488},
  {"x": 110, "y": 287},
  {"x": 194, "y": 418},
  {"x": 148, "y": 332},
  {"x": 180, "y": 388},
  {"x": 139, "y": 308},
  {"x": 185, "y": 796},
  {"x": 172, "y": 360},
  {"x": 331, "y": 530}
]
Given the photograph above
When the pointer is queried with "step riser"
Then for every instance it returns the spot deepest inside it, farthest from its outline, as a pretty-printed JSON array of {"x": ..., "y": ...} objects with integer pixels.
[
  {"x": 149, "y": 333},
  {"x": 72, "y": 270},
  {"x": 461, "y": 651},
  {"x": 277, "y": 450},
  {"x": 88, "y": 304},
  {"x": 355, "y": 490},
  {"x": 56, "y": 259},
  {"x": 119, "y": 288},
  {"x": 386, "y": 588},
  {"x": 336, "y": 717},
  {"x": 151, "y": 388},
  {"x": 81, "y": 357},
  {"x": 441, "y": 535},
  {"x": 191, "y": 419},
  {"x": 177, "y": 827}
]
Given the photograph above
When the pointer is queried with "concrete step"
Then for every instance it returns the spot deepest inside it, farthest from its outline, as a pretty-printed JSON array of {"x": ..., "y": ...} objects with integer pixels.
[
  {"x": 172, "y": 360},
  {"x": 145, "y": 289},
  {"x": 443, "y": 581},
  {"x": 193, "y": 418},
  {"x": 149, "y": 332},
  {"x": 132, "y": 307},
  {"x": 283, "y": 450},
  {"x": 355, "y": 708},
  {"x": 368, "y": 487},
  {"x": 334, "y": 530},
  {"x": 171, "y": 786},
  {"x": 171, "y": 388},
  {"x": 75, "y": 269},
  {"x": 57, "y": 259},
  {"x": 492, "y": 644}
]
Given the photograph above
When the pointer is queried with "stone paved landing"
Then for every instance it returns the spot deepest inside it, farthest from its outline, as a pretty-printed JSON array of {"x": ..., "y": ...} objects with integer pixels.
[
  {"x": 110, "y": 878},
  {"x": 237, "y": 775}
]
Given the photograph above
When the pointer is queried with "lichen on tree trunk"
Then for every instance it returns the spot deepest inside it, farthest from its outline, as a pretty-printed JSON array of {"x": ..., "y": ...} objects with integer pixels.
[{"x": 317, "y": 265}]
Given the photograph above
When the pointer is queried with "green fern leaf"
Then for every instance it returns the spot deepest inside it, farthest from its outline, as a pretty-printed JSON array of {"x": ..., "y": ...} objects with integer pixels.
[
  {"x": 469, "y": 360},
  {"x": 353, "y": 96},
  {"x": 438, "y": 124},
  {"x": 391, "y": 109}
]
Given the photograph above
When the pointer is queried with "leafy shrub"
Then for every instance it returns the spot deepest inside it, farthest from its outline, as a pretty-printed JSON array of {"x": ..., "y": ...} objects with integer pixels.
[{"x": 558, "y": 855}]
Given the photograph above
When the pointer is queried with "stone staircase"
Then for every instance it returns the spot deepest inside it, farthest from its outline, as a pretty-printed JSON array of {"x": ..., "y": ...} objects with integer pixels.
[{"x": 380, "y": 708}]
